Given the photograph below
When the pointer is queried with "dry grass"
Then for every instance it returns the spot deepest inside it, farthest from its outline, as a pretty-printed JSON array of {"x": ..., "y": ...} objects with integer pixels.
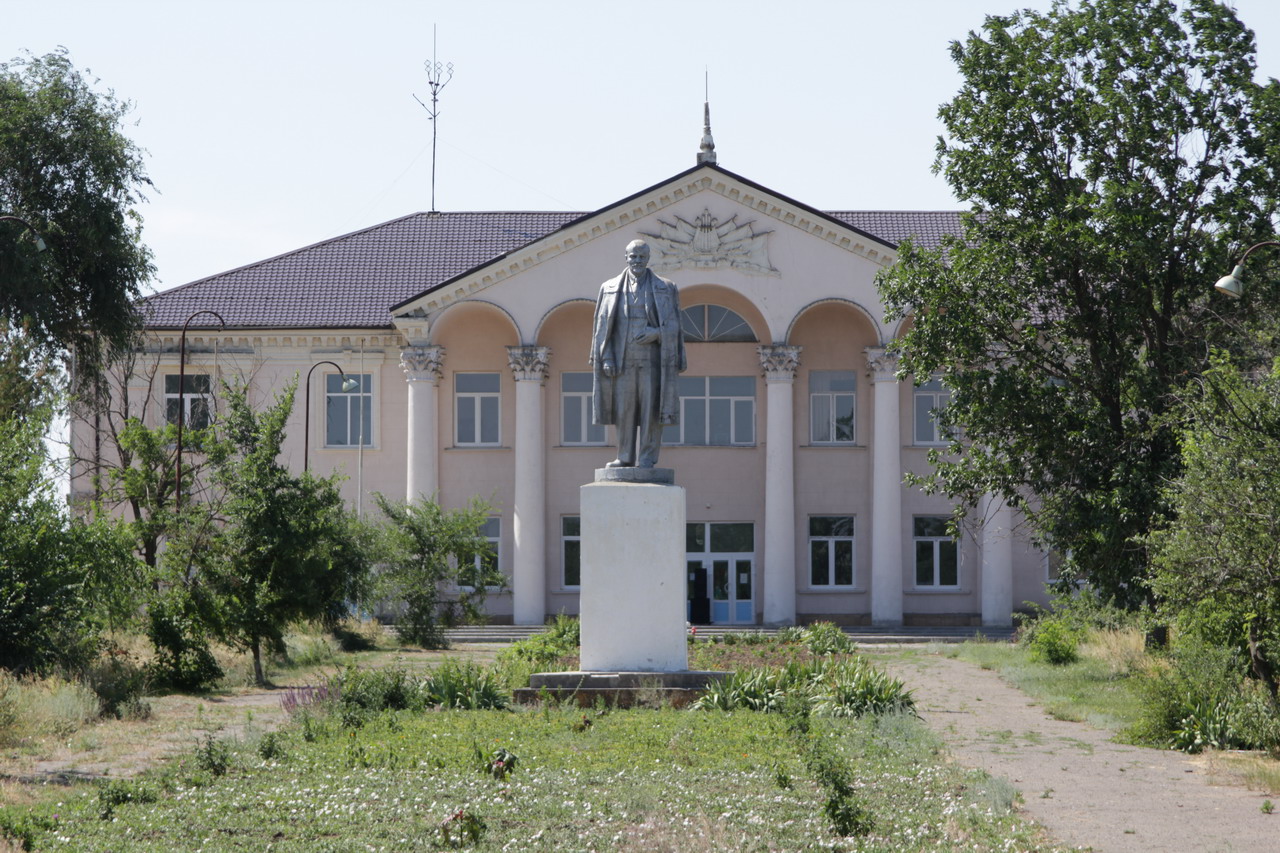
[
  {"x": 1256, "y": 771},
  {"x": 32, "y": 708},
  {"x": 1123, "y": 650},
  {"x": 53, "y": 749}
]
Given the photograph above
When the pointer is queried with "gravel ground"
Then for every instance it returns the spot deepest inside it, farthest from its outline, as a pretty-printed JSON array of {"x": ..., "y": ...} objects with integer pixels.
[{"x": 1086, "y": 790}]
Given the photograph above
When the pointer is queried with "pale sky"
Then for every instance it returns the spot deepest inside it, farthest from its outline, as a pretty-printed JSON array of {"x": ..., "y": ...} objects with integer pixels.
[{"x": 274, "y": 124}]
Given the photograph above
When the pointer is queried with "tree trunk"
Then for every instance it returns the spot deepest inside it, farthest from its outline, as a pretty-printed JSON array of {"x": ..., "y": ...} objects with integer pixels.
[
  {"x": 257, "y": 662},
  {"x": 1260, "y": 665}
]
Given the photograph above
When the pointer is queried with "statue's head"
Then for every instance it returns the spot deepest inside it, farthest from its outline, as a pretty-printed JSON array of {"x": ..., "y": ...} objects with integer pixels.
[{"x": 637, "y": 256}]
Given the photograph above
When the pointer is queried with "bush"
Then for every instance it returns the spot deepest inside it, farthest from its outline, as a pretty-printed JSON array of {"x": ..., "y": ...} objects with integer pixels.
[
  {"x": 1204, "y": 699},
  {"x": 825, "y": 638},
  {"x": 1054, "y": 641},
  {"x": 465, "y": 687},
  {"x": 845, "y": 688},
  {"x": 183, "y": 660},
  {"x": 388, "y": 689},
  {"x": 122, "y": 791},
  {"x": 120, "y": 685}
]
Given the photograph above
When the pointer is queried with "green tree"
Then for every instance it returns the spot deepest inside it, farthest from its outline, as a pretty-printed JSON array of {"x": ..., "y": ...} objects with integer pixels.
[
  {"x": 68, "y": 170},
  {"x": 438, "y": 563},
  {"x": 63, "y": 581},
  {"x": 1115, "y": 155},
  {"x": 1217, "y": 567},
  {"x": 283, "y": 547}
]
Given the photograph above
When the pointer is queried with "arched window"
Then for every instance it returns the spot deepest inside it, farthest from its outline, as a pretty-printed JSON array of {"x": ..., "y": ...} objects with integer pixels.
[{"x": 714, "y": 324}]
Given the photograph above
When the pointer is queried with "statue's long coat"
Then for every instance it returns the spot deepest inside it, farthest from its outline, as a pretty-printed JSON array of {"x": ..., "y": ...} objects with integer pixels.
[{"x": 671, "y": 343}]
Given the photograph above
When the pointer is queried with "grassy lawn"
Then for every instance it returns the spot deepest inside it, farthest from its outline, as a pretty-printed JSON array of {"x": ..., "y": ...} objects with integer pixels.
[
  {"x": 1100, "y": 688},
  {"x": 632, "y": 780},
  {"x": 640, "y": 779}
]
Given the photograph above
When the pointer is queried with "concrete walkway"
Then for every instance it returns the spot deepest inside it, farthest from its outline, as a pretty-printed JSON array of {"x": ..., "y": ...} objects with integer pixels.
[{"x": 1087, "y": 791}]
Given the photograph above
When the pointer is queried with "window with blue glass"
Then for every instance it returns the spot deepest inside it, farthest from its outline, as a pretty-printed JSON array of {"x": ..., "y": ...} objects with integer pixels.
[
  {"x": 348, "y": 415},
  {"x": 715, "y": 411},
  {"x": 477, "y": 405}
]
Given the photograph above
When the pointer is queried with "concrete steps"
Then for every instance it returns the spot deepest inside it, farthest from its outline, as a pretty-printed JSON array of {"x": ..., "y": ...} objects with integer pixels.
[{"x": 862, "y": 635}]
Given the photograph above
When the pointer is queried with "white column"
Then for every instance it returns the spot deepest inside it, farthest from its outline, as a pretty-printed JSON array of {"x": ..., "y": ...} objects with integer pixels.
[
  {"x": 886, "y": 491},
  {"x": 997, "y": 563},
  {"x": 529, "y": 566},
  {"x": 422, "y": 366},
  {"x": 779, "y": 364}
]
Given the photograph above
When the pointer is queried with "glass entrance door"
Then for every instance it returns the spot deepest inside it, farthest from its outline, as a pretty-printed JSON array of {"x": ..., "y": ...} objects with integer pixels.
[{"x": 723, "y": 554}]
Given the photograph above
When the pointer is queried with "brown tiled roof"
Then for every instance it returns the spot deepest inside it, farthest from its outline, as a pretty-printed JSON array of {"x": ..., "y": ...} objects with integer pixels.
[
  {"x": 352, "y": 281},
  {"x": 925, "y": 227}
]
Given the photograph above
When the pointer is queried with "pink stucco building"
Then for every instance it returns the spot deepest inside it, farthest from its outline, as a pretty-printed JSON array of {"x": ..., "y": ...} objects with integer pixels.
[{"x": 468, "y": 333}]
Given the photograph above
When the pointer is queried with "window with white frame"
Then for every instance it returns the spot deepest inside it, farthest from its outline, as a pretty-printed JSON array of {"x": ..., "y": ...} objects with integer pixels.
[
  {"x": 937, "y": 557},
  {"x": 576, "y": 425},
  {"x": 571, "y": 549},
  {"x": 832, "y": 399},
  {"x": 486, "y": 564},
  {"x": 714, "y": 324},
  {"x": 830, "y": 550},
  {"x": 477, "y": 409},
  {"x": 929, "y": 400},
  {"x": 715, "y": 411},
  {"x": 348, "y": 415},
  {"x": 196, "y": 399},
  {"x": 1054, "y": 561}
]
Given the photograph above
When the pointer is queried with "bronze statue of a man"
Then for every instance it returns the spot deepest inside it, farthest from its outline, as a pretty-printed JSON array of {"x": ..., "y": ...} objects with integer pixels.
[{"x": 637, "y": 350}]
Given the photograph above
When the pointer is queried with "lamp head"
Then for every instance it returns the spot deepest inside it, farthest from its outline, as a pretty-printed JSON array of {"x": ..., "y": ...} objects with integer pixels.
[
  {"x": 349, "y": 385},
  {"x": 1232, "y": 285}
]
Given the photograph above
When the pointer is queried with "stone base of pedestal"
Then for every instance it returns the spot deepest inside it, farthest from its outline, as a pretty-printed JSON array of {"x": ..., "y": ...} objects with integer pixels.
[
  {"x": 632, "y": 604},
  {"x": 619, "y": 689}
]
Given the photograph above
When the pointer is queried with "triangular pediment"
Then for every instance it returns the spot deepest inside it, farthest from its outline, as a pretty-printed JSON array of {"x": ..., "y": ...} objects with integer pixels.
[{"x": 728, "y": 227}]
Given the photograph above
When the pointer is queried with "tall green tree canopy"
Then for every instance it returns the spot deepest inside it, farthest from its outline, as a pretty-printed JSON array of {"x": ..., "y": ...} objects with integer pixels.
[
  {"x": 1116, "y": 154},
  {"x": 1217, "y": 567},
  {"x": 68, "y": 170}
]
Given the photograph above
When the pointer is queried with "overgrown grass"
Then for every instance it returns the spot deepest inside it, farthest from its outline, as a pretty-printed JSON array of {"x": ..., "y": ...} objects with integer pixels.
[
  {"x": 43, "y": 707},
  {"x": 633, "y": 780},
  {"x": 1099, "y": 688}
]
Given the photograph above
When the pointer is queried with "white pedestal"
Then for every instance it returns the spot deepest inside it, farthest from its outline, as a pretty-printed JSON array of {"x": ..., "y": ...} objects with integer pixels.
[{"x": 632, "y": 605}]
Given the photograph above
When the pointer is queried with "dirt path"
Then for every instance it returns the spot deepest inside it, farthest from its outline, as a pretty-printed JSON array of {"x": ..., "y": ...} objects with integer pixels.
[{"x": 1088, "y": 791}]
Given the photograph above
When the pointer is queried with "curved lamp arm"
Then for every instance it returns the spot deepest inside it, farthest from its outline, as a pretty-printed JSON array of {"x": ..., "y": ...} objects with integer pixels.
[
  {"x": 348, "y": 385},
  {"x": 1233, "y": 284},
  {"x": 40, "y": 243},
  {"x": 182, "y": 393}
]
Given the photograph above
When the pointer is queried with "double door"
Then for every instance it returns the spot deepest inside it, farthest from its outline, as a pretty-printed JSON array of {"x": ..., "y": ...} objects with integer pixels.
[{"x": 720, "y": 564}]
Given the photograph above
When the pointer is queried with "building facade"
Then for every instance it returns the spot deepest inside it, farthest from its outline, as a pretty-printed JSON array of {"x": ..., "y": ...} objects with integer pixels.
[{"x": 468, "y": 335}]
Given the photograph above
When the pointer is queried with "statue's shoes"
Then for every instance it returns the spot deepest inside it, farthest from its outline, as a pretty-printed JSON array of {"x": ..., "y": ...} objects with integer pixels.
[{"x": 618, "y": 463}]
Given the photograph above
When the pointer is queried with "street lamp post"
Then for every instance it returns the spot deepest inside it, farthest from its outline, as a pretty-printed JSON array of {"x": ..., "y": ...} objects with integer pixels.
[
  {"x": 348, "y": 385},
  {"x": 182, "y": 394},
  {"x": 40, "y": 244},
  {"x": 1233, "y": 285}
]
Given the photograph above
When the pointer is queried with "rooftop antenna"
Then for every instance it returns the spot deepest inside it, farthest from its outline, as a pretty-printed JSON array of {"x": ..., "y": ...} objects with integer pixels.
[
  {"x": 438, "y": 76},
  {"x": 707, "y": 150}
]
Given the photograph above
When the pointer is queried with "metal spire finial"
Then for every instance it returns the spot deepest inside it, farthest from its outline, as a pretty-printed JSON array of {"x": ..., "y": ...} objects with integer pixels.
[
  {"x": 707, "y": 150},
  {"x": 438, "y": 76}
]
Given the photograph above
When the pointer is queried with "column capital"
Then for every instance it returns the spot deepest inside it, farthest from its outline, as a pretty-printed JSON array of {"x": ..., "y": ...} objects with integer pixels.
[
  {"x": 422, "y": 364},
  {"x": 529, "y": 363},
  {"x": 882, "y": 364},
  {"x": 779, "y": 362}
]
